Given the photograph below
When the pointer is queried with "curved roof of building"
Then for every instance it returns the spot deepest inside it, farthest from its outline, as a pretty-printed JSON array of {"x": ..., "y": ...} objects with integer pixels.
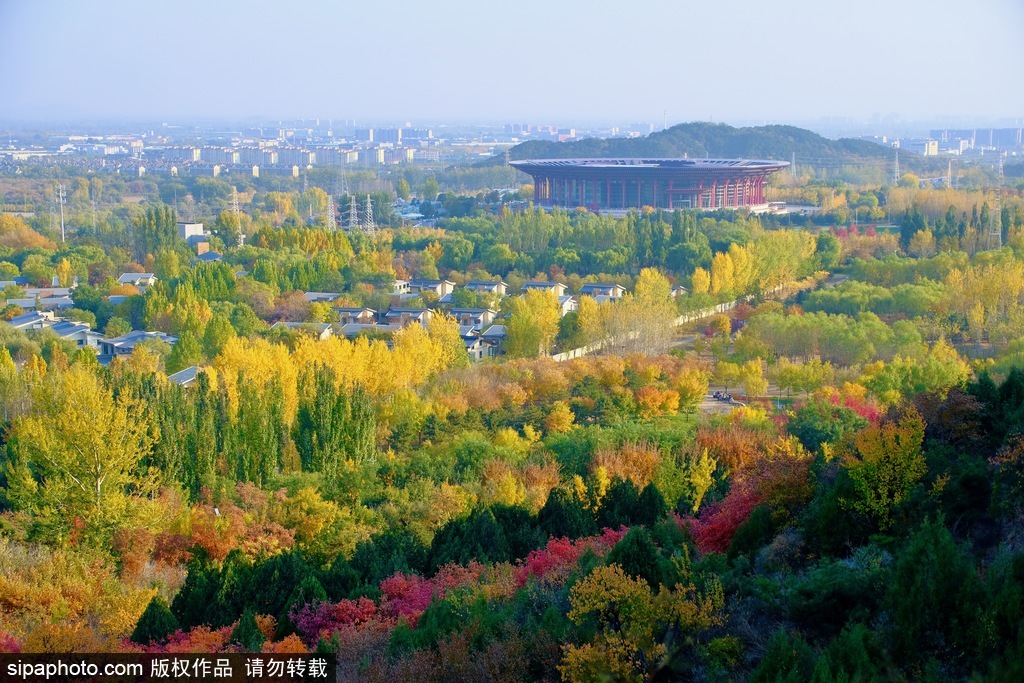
[{"x": 644, "y": 163}]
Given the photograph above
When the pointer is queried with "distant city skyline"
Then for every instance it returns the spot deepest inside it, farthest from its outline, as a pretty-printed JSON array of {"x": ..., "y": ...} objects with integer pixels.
[{"x": 597, "y": 62}]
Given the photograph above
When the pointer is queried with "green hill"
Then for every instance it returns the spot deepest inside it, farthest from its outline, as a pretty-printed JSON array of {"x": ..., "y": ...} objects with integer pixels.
[
  {"x": 845, "y": 158},
  {"x": 712, "y": 140}
]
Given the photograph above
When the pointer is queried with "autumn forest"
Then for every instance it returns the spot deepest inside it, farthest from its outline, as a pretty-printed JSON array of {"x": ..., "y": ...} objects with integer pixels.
[{"x": 689, "y": 445}]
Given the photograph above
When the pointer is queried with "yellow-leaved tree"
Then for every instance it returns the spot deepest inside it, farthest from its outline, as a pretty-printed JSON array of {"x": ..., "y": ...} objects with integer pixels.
[
  {"x": 77, "y": 456},
  {"x": 64, "y": 273},
  {"x": 451, "y": 350},
  {"x": 701, "y": 281},
  {"x": 692, "y": 386},
  {"x": 258, "y": 361},
  {"x": 560, "y": 418},
  {"x": 742, "y": 268},
  {"x": 637, "y": 633},
  {"x": 885, "y": 464},
  {"x": 722, "y": 273},
  {"x": 592, "y": 319},
  {"x": 533, "y": 324}
]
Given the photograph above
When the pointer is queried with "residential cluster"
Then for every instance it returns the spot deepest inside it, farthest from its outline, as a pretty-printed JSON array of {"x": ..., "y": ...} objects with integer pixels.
[
  {"x": 482, "y": 329},
  {"x": 291, "y": 147},
  {"x": 958, "y": 142}
]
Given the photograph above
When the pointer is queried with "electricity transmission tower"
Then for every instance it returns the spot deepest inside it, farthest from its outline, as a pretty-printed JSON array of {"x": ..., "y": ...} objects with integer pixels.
[
  {"x": 368, "y": 224},
  {"x": 61, "y": 196},
  {"x": 238, "y": 215},
  {"x": 353, "y": 213},
  {"x": 995, "y": 228},
  {"x": 332, "y": 225}
]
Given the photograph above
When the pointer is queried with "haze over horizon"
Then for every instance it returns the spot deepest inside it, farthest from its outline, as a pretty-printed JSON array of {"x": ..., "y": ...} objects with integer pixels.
[{"x": 458, "y": 61}]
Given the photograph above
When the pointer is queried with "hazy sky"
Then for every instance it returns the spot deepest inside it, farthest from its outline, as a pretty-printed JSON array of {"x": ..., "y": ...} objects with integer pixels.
[{"x": 534, "y": 61}]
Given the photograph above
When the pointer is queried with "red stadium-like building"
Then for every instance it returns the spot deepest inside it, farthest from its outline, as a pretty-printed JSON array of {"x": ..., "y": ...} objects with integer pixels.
[{"x": 619, "y": 184}]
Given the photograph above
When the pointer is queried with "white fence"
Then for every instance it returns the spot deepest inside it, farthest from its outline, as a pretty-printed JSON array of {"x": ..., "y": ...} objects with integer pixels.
[{"x": 681, "y": 320}]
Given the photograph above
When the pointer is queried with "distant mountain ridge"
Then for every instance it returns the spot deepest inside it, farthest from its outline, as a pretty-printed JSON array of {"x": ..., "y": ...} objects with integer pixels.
[{"x": 715, "y": 140}]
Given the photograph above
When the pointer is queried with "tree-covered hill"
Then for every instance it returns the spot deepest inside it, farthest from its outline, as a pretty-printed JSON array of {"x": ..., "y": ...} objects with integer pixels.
[
  {"x": 699, "y": 139},
  {"x": 849, "y": 160}
]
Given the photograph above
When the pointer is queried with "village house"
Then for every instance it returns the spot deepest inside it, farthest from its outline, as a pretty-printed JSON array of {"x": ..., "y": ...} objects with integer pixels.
[
  {"x": 186, "y": 377},
  {"x": 140, "y": 280},
  {"x": 34, "y": 320},
  {"x": 476, "y": 348},
  {"x": 438, "y": 287},
  {"x": 54, "y": 302},
  {"x": 487, "y": 287},
  {"x": 476, "y": 317},
  {"x": 404, "y": 317},
  {"x": 319, "y": 331},
  {"x": 567, "y": 304},
  {"x": 313, "y": 297},
  {"x": 125, "y": 344},
  {"x": 557, "y": 287},
  {"x": 351, "y": 330},
  {"x": 80, "y": 333},
  {"x": 608, "y": 291},
  {"x": 362, "y": 316},
  {"x": 494, "y": 337}
]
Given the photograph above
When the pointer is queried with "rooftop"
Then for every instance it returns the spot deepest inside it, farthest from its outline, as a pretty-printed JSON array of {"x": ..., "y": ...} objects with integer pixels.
[{"x": 185, "y": 377}]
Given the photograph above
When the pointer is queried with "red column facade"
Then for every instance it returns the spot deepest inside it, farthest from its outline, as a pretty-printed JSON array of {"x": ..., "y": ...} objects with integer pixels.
[{"x": 744, "y": 189}]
